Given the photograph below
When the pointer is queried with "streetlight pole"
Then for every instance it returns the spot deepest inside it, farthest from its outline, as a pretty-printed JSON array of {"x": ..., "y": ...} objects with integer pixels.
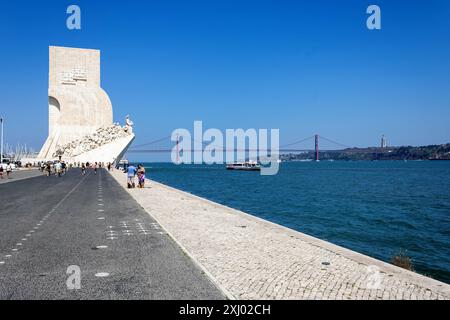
[{"x": 1, "y": 143}]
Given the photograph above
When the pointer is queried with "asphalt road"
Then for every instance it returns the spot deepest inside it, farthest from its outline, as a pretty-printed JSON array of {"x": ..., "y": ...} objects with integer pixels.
[
  {"x": 48, "y": 224},
  {"x": 20, "y": 174}
]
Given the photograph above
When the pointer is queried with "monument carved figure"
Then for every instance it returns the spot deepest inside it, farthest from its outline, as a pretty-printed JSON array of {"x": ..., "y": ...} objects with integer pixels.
[{"x": 128, "y": 125}]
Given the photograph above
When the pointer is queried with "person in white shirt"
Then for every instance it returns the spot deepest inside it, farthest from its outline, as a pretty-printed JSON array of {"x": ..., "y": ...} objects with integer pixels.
[
  {"x": 58, "y": 168},
  {"x": 8, "y": 170}
]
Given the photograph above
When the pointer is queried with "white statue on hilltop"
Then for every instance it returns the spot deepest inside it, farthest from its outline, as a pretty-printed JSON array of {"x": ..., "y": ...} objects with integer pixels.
[{"x": 128, "y": 125}]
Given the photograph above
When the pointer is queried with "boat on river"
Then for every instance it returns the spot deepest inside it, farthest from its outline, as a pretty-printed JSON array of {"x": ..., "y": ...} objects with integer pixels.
[{"x": 244, "y": 166}]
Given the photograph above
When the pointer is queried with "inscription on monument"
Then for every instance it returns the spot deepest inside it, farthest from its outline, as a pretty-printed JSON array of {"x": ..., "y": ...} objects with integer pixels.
[{"x": 73, "y": 76}]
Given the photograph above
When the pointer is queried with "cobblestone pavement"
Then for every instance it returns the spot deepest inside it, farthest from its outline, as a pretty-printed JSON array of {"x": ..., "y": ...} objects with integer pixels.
[{"x": 250, "y": 258}]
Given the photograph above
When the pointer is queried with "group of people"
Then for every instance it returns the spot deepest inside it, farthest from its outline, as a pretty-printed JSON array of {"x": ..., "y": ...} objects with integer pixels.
[
  {"x": 132, "y": 172},
  {"x": 93, "y": 166},
  {"x": 57, "y": 168},
  {"x": 7, "y": 168}
]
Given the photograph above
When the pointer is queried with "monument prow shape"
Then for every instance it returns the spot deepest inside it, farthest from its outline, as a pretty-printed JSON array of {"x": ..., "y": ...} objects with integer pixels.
[{"x": 81, "y": 125}]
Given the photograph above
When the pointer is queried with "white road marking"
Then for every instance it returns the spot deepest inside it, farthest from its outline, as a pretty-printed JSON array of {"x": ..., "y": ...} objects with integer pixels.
[
  {"x": 101, "y": 218},
  {"x": 102, "y": 247},
  {"x": 8, "y": 256},
  {"x": 68, "y": 194},
  {"x": 100, "y": 210},
  {"x": 111, "y": 238},
  {"x": 15, "y": 250},
  {"x": 24, "y": 239},
  {"x": 19, "y": 244},
  {"x": 2, "y": 262}
]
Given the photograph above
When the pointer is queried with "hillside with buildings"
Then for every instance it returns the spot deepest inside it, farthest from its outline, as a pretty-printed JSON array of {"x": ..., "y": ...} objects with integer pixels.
[{"x": 431, "y": 152}]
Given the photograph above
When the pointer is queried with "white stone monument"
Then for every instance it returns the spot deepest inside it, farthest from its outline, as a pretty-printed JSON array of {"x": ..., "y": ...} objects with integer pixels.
[{"x": 80, "y": 112}]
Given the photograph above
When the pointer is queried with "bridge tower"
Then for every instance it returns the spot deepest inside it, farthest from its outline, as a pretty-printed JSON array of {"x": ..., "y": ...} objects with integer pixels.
[{"x": 316, "y": 138}]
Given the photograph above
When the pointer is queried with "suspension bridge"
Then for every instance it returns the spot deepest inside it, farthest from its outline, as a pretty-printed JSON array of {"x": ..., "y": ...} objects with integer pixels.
[{"x": 167, "y": 145}]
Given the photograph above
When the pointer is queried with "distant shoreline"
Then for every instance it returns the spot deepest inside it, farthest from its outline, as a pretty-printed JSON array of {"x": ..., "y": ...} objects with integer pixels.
[{"x": 432, "y": 152}]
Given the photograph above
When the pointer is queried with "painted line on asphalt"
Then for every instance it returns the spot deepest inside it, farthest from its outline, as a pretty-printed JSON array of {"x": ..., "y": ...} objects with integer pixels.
[{"x": 46, "y": 216}]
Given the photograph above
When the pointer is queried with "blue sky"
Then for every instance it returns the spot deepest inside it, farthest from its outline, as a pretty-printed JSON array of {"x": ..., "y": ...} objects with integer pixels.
[{"x": 300, "y": 66}]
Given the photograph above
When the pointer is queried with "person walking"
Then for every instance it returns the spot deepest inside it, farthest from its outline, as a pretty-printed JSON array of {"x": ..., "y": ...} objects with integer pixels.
[
  {"x": 141, "y": 176},
  {"x": 8, "y": 170},
  {"x": 131, "y": 173},
  {"x": 95, "y": 168},
  {"x": 1, "y": 170},
  {"x": 83, "y": 169},
  {"x": 58, "y": 169}
]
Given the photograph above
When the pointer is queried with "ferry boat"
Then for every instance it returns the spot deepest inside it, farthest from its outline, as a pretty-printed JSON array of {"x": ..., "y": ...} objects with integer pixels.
[{"x": 245, "y": 166}]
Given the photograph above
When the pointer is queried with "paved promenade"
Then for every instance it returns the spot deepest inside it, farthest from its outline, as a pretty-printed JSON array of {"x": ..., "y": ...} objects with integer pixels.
[
  {"x": 250, "y": 258},
  {"x": 48, "y": 224}
]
